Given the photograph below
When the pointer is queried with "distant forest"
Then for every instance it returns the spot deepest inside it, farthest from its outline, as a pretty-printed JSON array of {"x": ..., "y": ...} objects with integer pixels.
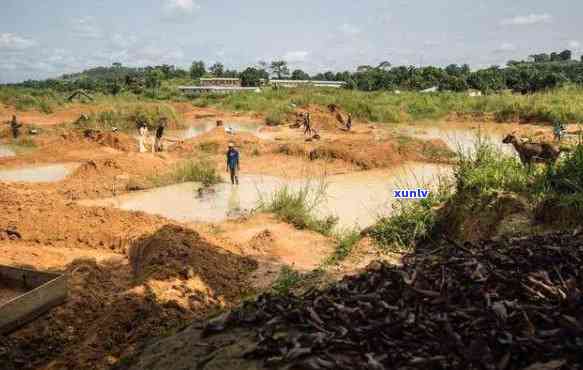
[{"x": 539, "y": 72}]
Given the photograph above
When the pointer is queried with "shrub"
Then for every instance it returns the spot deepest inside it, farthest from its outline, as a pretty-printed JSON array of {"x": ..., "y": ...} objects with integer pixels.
[
  {"x": 410, "y": 221},
  {"x": 203, "y": 171},
  {"x": 296, "y": 206}
]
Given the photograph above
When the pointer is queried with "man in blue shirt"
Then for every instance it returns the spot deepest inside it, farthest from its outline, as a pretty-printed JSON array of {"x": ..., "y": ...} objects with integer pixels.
[{"x": 233, "y": 163}]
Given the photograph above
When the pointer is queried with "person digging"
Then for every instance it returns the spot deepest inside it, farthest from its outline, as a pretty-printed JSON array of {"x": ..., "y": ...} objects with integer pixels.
[{"x": 233, "y": 164}]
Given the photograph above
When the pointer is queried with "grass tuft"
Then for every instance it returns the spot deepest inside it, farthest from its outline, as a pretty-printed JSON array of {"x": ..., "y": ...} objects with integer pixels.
[{"x": 202, "y": 170}]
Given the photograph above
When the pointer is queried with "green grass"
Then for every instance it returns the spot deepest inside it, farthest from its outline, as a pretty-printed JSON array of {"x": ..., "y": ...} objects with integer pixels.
[
  {"x": 564, "y": 104},
  {"x": 346, "y": 240},
  {"x": 487, "y": 170},
  {"x": 381, "y": 106},
  {"x": 410, "y": 220},
  {"x": 297, "y": 206},
  {"x": 24, "y": 99},
  {"x": 202, "y": 170},
  {"x": 287, "y": 279}
]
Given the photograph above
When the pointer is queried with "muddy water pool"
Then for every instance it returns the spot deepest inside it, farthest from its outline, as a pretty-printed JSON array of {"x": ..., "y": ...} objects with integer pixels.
[
  {"x": 50, "y": 173},
  {"x": 204, "y": 127},
  {"x": 356, "y": 199},
  {"x": 6, "y": 151},
  {"x": 459, "y": 138}
]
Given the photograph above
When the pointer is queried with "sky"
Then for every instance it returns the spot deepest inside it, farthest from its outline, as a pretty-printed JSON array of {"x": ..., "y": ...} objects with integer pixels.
[{"x": 41, "y": 39}]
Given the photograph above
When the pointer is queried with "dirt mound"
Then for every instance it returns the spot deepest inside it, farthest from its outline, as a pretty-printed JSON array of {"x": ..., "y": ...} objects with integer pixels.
[
  {"x": 330, "y": 117},
  {"x": 46, "y": 219},
  {"x": 262, "y": 241},
  {"x": 493, "y": 305},
  {"x": 101, "y": 321},
  {"x": 176, "y": 252},
  {"x": 171, "y": 276},
  {"x": 116, "y": 140},
  {"x": 489, "y": 215}
]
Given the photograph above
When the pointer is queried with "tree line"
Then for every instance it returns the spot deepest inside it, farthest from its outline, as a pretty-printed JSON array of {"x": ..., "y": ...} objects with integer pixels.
[{"x": 541, "y": 71}]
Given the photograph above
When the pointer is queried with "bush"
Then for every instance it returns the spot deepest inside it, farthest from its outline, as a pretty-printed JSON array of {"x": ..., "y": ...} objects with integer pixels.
[
  {"x": 203, "y": 171},
  {"x": 486, "y": 170},
  {"x": 410, "y": 221},
  {"x": 345, "y": 242},
  {"x": 296, "y": 206},
  {"x": 287, "y": 279}
]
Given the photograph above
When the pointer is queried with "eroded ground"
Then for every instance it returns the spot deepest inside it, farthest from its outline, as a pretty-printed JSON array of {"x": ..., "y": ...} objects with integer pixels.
[{"x": 135, "y": 276}]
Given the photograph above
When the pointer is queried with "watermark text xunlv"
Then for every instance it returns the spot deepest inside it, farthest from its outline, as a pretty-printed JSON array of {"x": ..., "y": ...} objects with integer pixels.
[{"x": 410, "y": 193}]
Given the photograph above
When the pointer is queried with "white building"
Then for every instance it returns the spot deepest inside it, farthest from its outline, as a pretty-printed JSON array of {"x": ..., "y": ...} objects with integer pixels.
[{"x": 297, "y": 83}]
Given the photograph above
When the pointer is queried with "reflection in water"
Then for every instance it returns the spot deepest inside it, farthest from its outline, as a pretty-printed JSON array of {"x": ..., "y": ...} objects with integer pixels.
[
  {"x": 234, "y": 204},
  {"x": 356, "y": 198},
  {"x": 6, "y": 151},
  {"x": 52, "y": 173},
  {"x": 202, "y": 128},
  {"x": 459, "y": 138}
]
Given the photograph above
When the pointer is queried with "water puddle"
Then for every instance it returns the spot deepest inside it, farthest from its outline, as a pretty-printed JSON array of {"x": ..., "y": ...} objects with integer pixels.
[
  {"x": 459, "y": 138},
  {"x": 202, "y": 128},
  {"x": 6, "y": 151},
  {"x": 51, "y": 173},
  {"x": 355, "y": 198}
]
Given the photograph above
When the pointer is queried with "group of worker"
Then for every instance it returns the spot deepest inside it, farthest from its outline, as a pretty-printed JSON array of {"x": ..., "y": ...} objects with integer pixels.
[{"x": 143, "y": 134}]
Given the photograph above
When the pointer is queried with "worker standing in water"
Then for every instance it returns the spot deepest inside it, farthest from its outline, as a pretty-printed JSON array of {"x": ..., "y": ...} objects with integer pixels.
[
  {"x": 15, "y": 126},
  {"x": 233, "y": 163}
]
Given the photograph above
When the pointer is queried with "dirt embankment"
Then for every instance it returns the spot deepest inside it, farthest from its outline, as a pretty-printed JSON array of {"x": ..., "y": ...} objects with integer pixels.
[{"x": 132, "y": 277}]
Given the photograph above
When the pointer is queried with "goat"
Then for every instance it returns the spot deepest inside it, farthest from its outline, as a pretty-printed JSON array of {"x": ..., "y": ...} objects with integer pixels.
[{"x": 533, "y": 152}]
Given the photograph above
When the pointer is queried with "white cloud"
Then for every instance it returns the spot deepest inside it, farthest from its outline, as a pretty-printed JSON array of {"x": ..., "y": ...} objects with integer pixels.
[
  {"x": 87, "y": 28},
  {"x": 296, "y": 56},
  {"x": 431, "y": 43},
  {"x": 187, "y": 6},
  {"x": 177, "y": 10},
  {"x": 523, "y": 20},
  {"x": 505, "y": 47},
  {"x": 10, "y": 41},
  {"x": 350, "y": 29},
  {"x": 123, "y": 41},
  {"x": 574, "y": 44}
]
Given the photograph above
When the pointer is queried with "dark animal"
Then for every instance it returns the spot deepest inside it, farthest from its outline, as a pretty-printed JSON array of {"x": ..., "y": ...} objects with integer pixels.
[{"x": 533, "y": 152}]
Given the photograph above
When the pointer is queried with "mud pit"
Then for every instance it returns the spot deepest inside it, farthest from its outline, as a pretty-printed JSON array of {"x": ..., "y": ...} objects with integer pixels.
[
  {"x": 460, "y": 138},
  {"x": 356, "y": 198},
  {"x": 198, "y": 129},
  {"x": 52, "y": 173}
]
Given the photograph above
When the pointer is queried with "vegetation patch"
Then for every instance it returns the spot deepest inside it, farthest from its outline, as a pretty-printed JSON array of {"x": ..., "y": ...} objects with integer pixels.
[
  {"x": 297, "y": 206},
  {"x": 201, "y": 170}
]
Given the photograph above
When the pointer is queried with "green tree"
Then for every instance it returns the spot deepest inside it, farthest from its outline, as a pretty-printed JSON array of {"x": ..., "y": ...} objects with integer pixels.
[
  {"x": 565, "y": 55},
  {"x": 384, "y": 65},
  {"x": 154, "y": 79},
  {"x": 541, "y": 58},
  {"x": 197, "y": 69},
  {"x": 251, "y": 76},
  {"x": 279, "y": 68},
  {"x": 298, "y": 74},
  {"x": 217, "y": 69}
]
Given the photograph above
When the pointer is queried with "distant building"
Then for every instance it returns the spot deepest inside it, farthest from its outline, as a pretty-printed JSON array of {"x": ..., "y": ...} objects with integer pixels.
[
  {"x": 297, "y": 83},
  {"x": 474, "y": 93},
  {"x": 220, "y": 81},
  {"x": 197, "y": 90},
  {"x": 430, "y": 90}
]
